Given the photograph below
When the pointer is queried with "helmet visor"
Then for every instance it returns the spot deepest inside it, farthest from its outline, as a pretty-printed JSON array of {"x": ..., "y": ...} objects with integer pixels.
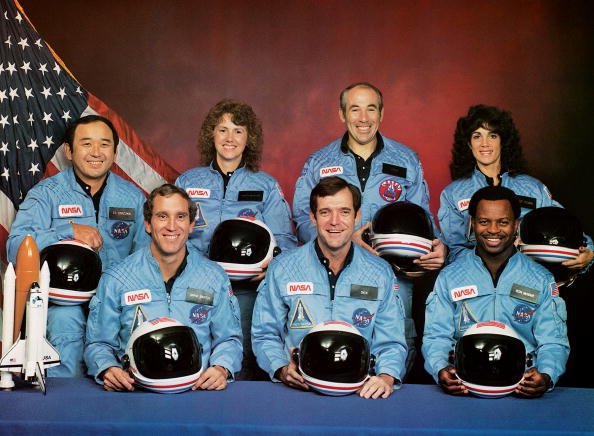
[
  {"x": 168, "y": 353},
  {"x": 335, "y": 356}
]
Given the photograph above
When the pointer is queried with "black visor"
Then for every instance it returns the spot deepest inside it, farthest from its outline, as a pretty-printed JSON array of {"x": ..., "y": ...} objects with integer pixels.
[
  {"x": 490, "y": 359},
  {"x": 551, "y": 226},
  {"x": 72, "y": 267},
  {"x": 335, "y": 356},
  {"x": 168, "y": 353},
  {"x": 240, "y": 242},
  {"x": 402, "y": 217}
]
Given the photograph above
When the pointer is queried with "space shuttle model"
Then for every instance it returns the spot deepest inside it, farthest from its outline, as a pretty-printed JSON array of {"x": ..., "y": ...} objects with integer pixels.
[{"x": 26, "y": 292}]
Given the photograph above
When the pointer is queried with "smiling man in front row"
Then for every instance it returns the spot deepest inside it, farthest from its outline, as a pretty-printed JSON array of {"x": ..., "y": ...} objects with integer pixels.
[
  {"x": 181, "y": 284},
  {"x": 336, "y": 271}
]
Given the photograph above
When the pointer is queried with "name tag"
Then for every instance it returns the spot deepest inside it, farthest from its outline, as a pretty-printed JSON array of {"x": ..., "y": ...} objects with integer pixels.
[
  {"x": 250, "y": 196},
  {"x": 464, "y": 292},
  {"x": 364, "y": 292},
  {"x": 200, "y": 296},
  {"x": 527, "y": 202},
  {"x": 394, "y": 170},
  {"x": 122, "y": 213},
  {"x": 70, "y": 210},
  {"x": 198, "y": 192},
  {"x": 299, "y": 288},
  {"x": 523, "y": 293},
  {"x": 137, "y": 297},
  {"x": 331, "y": 171}
]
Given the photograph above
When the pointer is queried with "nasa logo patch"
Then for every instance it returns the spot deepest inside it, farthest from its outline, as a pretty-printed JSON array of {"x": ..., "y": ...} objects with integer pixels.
[
  {"x": 362, "y": 317},
  {"x": 120, "y": 230},
  {"x": 390, "y": 190},
  {"x": 463, "y": 204},
  {"x": 247, "y": 212},
  {"x": 199, "y": 313},
  {"x": 523, "y": 313}
]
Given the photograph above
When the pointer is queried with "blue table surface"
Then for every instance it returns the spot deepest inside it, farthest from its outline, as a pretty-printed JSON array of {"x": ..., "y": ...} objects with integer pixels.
[{"x": 79, "y": 406}]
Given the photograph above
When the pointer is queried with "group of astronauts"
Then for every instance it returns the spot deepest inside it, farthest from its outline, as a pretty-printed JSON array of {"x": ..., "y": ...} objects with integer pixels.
[{"x": 247, "y": 329}]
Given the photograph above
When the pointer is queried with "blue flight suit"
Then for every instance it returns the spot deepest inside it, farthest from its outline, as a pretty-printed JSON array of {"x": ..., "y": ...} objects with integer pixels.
[
  {"x": 396, "y": 175},
  {"x": 200, "y": 298},
  {"x": 295, "y": 296},
  {"x": 45, "y": 215},
  {"x": 524, "y": 296}
]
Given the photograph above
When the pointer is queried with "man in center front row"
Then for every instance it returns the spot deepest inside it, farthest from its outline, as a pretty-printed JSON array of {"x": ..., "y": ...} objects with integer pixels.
[
  {"x": 342, "y": 281},
  {"x": 180, "y": 283},
  {"x": 499, "y": 284}
]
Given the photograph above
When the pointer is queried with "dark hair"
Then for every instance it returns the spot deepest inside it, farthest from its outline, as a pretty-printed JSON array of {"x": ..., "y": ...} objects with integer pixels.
[
  {"x": 88, "y": 119},
  {"x": 329, "y": 186},
  {"x": 165, "y": 191},
  {"x": 497, "y": 121},
  {"x": 494, "y": 193},
  {"x": 342, "y": 100},
  {"x": 241, "y": 114}
]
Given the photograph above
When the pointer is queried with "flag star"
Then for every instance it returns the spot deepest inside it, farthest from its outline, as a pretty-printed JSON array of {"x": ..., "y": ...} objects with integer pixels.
[
  {"x": 5, "y": 174},
  {"x": 4, "y": 148},
  {"x": 43, "y": 69},
  {"x": 4, "y": 120},
  {"x": 8, "y": 41},
  {"x": 6, "y": 15},
  {"x": 13, "y": 93},
  {"x": 26, "y": 67},
  {"x": 1, "y": 68},
  {"x": 11, "y": 68},
  {"x": 34, "y": 168},
  {"x": 33, "y": 145},
  {"x": 47, "y": 117},
  {"x": 23, "y": 43},
  {"x": 28, "y": 92},
  {"x": 30, "y": 119},
  {"x": 14, "y": 120},
  {"x": 78, "y": 91},
  {"x": 3, "y": 95},
  {"x": 62, "y": 93},
  {"x": 56, "y": 68},
  {"x": 18, "y": 17},
  {"x": 46, "y": 92},
  {"x": 38, "y": 43},
  {"x": 48, "y": 141},
  {"x": 66, "y": 116}
]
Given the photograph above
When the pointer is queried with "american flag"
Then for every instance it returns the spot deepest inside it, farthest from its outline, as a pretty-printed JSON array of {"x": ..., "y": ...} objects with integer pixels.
[{"x": 39, "y": 97}]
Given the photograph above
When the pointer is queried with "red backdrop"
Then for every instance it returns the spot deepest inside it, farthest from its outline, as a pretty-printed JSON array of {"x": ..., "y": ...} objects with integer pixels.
[{"x": 163, "y": 64}]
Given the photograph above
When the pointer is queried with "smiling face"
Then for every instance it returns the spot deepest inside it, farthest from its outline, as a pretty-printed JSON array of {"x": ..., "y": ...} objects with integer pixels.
[
  {"x": 486, "y": 149},
  {"x": 92, "y": 152},
  {"x": 495, "y": 227},
  {"x": 335, "y": 219},
  {"x": 169, "y": 226},
  {"x": 229, "y": 140},
  {"x": 361, "y": 116}
]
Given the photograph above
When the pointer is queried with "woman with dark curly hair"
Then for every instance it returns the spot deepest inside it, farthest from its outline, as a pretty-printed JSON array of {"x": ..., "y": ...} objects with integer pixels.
[
  {"x": 229, "y": 185},
  {"x": 487, "y": 151}
]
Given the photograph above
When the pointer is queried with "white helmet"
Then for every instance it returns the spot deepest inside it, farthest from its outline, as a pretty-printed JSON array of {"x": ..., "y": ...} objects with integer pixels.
[
  {"x": 334, "y": 358},
  {"x": 75, "y": 270},
  {"x": 490, "y": 359},
  {"x": 242, "y": 246},
  {"x": 164, "y": 356}
]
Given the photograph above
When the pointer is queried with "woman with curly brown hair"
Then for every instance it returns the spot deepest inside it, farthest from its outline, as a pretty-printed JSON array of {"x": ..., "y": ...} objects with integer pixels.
[
  {"x": 229, "y": 185},
  {"x": 487, "y": 151}
]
